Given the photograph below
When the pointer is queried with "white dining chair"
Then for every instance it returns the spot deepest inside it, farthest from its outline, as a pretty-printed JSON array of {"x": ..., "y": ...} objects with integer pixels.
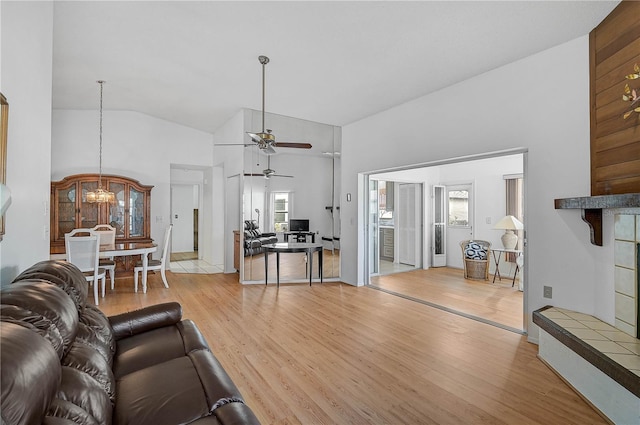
[
  {"x": 107, "y": 236},
  {"x": 84, "y": 252},
  {"x": 160, "y": 264}
]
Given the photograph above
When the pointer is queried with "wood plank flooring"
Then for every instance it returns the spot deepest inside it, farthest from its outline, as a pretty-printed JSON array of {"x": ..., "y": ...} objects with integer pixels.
[
  {"x": 497, "y": 302},
  {"x": 336, "y": 354},
  {"x": 293, "y": 266}
]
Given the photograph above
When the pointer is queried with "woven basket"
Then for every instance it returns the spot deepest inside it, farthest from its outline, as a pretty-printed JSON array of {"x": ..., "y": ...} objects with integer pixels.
[{"x": 476, "y": 269}]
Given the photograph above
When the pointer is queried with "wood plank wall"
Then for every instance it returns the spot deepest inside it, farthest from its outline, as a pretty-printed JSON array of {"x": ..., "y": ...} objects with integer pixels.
[{"x": 615, "y": 142}]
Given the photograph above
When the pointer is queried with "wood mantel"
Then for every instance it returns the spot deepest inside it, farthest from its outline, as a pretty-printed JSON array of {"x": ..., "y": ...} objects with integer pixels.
[{"x": 592, "y": 207}]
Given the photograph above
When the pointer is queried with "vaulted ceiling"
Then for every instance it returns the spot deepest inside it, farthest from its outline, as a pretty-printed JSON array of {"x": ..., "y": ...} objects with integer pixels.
[{"x": 196, "y": 63}]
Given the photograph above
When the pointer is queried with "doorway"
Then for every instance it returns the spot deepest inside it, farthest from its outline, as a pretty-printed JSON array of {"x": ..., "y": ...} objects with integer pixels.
[
  {"x": 473, "y": 200},
  {"x": 396, "y": 223},
  {"x": 192, "y": 190}
]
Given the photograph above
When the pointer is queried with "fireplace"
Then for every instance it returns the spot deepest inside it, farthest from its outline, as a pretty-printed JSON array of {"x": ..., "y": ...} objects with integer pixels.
[{"x": 627, "y": 274}]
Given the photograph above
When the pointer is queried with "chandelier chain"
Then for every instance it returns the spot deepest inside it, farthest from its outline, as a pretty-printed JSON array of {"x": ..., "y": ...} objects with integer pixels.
[{"x": 100, "y": 153}]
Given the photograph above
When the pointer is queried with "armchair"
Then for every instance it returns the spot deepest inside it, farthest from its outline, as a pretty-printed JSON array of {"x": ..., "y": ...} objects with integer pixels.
[{"x": 254, "y": 239}]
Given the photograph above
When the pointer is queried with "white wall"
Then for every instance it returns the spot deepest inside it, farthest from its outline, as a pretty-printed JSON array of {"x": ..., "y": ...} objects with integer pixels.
[
  {"x": 228, "y": 161},
  {"x": 540, "y": 103},
  {"x": 26, "y": 32},
  {"x": 135, "y": 145}
]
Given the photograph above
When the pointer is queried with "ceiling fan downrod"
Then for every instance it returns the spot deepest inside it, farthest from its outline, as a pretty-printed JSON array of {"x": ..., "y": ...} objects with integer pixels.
[{"x": 264, "y": 60}]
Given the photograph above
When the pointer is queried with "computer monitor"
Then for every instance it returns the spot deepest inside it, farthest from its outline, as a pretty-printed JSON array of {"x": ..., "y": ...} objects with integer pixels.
[{"x": 299, "y": 225}]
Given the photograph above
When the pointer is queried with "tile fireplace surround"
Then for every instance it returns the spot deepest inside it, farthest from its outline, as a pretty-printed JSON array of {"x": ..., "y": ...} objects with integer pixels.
[
  {"x": 601, "y": 361},
  {"x": 627, "y": 240}
]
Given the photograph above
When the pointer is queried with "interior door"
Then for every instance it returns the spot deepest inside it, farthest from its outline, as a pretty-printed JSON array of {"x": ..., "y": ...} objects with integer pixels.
[
  {"x": 182, "y": 204},
  {"x": 409, "y": 224},
  {"x": 460, "y": 215},
  {"x": 439, "y": 226},
  {"x": 374, "y": 253}
]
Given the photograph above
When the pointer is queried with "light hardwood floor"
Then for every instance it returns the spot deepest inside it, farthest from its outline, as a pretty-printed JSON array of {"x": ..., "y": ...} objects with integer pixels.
[
  {"x": 336, "y": 354},
  {"x": 496, "y": 302}
]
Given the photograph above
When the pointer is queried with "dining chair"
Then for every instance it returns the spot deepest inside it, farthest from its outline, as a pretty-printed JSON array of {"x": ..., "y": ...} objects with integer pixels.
[
  {"x": 107, "y": 236},
  {"x": 84, "y": 253},
  {"x": 160, "y": 264}
]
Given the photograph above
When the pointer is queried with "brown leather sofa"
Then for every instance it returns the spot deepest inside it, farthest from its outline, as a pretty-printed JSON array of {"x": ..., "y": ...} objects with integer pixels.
[
  {"x": 254, "y": 239},
  {"x": 64, "y": 362}
]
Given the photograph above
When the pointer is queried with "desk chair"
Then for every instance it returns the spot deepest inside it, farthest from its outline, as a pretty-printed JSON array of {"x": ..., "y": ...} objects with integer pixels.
[
  {"x": 84, "y": 253},
  {"x": 155, "y": 264},
  {"x": 107, "y": 235}
]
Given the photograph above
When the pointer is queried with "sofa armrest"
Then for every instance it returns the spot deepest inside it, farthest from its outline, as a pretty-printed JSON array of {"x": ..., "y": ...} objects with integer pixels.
[
  {"x": 145, "y": 319},
  {"x": 268, "y": 234}
]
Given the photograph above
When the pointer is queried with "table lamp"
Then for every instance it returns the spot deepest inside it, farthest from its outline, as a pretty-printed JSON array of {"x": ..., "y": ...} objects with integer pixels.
[{"x": 509, "y": 223}]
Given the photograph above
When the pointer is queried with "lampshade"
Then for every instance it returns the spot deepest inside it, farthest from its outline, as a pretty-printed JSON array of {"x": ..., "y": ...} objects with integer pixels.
[{"x": 509, "y": 222}]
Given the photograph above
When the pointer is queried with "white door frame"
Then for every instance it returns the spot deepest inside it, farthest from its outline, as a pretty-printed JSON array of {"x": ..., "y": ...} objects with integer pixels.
[{"x": 364, "y": 178}]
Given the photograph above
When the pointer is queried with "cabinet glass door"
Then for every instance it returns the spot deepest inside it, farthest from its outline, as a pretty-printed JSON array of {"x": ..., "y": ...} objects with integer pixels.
[
  {"x": 117, "y": 209},
  {"x": 136, "y": 213},
  {"x": 66, "y": 211},
  {"x": 88, "y": 211}
]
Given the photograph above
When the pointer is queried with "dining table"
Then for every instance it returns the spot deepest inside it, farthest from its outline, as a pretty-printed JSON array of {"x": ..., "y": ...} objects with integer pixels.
[{"x": 123, "y": 249}]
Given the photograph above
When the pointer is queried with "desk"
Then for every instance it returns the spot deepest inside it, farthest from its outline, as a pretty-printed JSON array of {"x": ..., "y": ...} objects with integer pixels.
[
  {"x": 496, "y": 260},
  {"x": 296, "y": 234},
  {"x": 308, "y": 248},
  {"x": 122, "y": 250}
]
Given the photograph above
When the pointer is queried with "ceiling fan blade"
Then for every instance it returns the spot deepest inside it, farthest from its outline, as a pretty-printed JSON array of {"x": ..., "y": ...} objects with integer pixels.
[
  {"x": 280, "y": 175},
  {"x": 269, "y": 150},
  {"x": 233, "y": 144},
  {"x": 253, "y": 174},
  {"x": 292, "y": 145}
]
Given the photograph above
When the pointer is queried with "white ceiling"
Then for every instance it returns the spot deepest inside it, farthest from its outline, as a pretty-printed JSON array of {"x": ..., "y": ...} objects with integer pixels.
[{"x": 196, "y": 63}]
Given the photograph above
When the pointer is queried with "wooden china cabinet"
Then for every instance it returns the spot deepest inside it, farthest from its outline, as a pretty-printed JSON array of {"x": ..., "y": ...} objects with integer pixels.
[{"x": 129, "y": 214}]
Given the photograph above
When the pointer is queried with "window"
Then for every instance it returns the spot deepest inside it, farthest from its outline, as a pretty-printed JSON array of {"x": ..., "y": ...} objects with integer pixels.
[
  {"x": 459, "y": 207},
  {"x": 281, "y": 210}
]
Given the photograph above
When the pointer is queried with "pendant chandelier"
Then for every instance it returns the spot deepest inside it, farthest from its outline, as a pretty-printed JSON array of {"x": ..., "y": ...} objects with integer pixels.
[{"x": 100, "y": 195}]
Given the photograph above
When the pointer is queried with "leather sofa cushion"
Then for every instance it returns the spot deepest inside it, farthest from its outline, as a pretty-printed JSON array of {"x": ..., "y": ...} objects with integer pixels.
[
  {"x": 253, "y": 243},
  {"x": 235, "y": 413},
  {"x": 157, "y": 346},
  {"x": 84, "y": 391},
  {"x": 86, "y": 359},
  {"x": 94, "y": 330},
  {"x": 26, "y": 396},
  {"x": 181, "y": 390},
  {"x": 49, "y": 301},
  {"x": 35, "y": 322},
  {"x": 229, "y": 414},
  {"x": 62, "y": 274},
  {"x": 139, "y": 321},
  {"x": 63, "y": 412}
]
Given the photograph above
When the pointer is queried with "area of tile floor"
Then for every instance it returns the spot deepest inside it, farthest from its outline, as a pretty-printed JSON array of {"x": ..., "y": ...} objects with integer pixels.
[
  {"x": 389, "y": 267},
  {"x": 615, "y": 344},
  {"x": 195, "y": 266}
]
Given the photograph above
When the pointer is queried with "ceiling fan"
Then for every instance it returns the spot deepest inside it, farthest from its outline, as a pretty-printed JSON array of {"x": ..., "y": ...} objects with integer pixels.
[
  {"x": 268, "y": 172},
  {"x": 266, "y": 140}
]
